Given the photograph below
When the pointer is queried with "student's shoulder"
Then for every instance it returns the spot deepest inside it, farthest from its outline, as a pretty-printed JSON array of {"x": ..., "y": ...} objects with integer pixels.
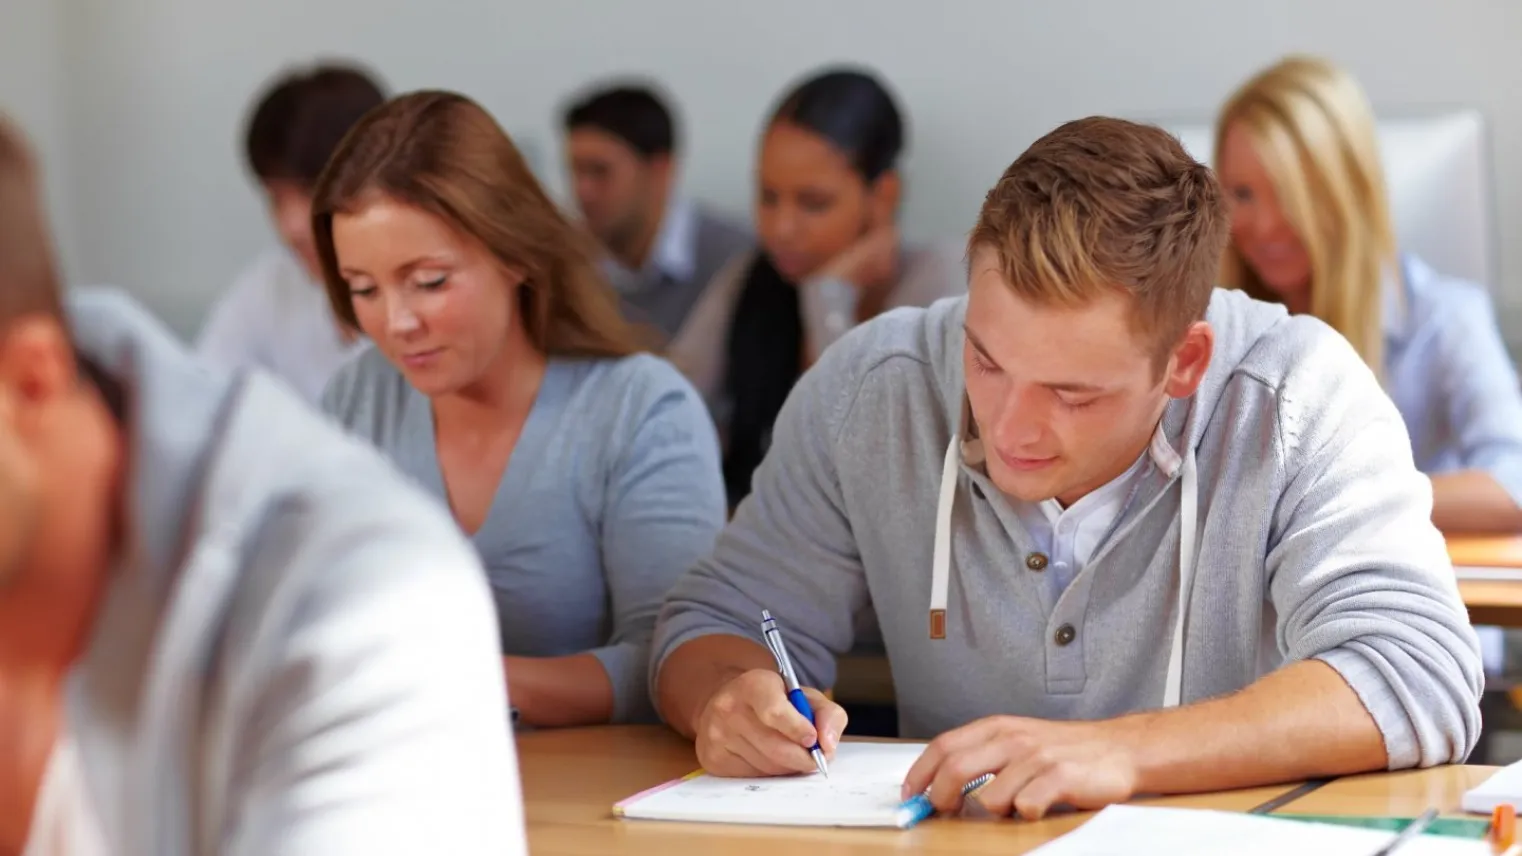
[
  {"x": 622, "y": 403},
  {"x": 1297, "y": 371},
  {"x": 1264, "y": 342},
  {"x": 914, "y": 350},
  {"x": 623, "y": 388},
  {"x": 1439, "y": 305},
  {"x": 905, "y": 337},
  {"x": 322, "y": 501},
  {"x": 352, "y": 547}
]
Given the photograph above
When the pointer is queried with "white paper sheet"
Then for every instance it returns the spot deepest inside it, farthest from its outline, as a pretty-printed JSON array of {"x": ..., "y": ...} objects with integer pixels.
[
  {"x": 1140, "y": 831},
  {"x": 862, "y": 790},
  {"x": 1503, "y": 787}
]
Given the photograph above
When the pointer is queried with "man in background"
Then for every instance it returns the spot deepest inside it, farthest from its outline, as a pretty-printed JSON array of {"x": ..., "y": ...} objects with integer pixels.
[
  {"x": 225, "y": 626},
  {"x": 276, "y": 316},
  {"x": 662, "y": 249}
]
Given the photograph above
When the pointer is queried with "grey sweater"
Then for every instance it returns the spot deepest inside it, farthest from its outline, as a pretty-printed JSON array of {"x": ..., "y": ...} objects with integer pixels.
[
  {"x": 612, "y": 491},
  {"x": 295, "y": 653},
  {"x": 1314, "y": 541}
]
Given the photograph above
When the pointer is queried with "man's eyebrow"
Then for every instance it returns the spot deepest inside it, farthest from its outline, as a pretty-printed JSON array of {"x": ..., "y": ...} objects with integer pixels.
[
  {"x": 978, "y": 346},
  {"x": 1071, "y": 386},
  {"x": 1074, "y": 387}
]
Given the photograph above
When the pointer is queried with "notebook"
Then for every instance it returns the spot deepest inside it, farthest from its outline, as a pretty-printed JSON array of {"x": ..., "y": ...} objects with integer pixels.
[
  {"x": 1502, "y": 788},
  {"x": 1139, "y": 831},
  {"x": 862, "y": 790}
]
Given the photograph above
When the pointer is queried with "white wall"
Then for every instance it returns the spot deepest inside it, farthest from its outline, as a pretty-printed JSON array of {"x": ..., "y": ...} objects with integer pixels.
[{"x": 157, "y": 89}]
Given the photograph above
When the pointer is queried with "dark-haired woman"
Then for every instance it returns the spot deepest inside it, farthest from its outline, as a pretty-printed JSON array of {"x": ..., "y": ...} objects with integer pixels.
[
  {"x": 504, "y": 379},
  {"x": 829, "y": 258}
]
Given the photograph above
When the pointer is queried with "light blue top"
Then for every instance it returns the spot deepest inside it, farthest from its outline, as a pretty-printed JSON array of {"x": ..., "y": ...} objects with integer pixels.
[
  {"x": 612, "y": 491},
  {"x": 1452, "y": 378}
]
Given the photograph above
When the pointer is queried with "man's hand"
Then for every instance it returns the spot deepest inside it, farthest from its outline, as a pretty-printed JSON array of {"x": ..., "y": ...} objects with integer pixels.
[
  {"x": 1036, "y": 764},
  {"x": 749, "y": 728}
]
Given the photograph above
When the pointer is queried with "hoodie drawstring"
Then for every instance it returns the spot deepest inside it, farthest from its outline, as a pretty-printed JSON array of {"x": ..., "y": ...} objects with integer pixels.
[{"x": 1168, "y": 461}]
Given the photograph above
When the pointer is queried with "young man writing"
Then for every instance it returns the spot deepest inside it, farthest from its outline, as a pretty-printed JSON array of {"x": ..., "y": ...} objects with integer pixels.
[
  {"x": 1123, "y": 533},
  {"x": 224, "y": 626}
]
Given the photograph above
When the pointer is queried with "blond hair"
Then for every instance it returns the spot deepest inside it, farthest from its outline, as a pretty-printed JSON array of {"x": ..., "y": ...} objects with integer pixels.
[
  {"x": 1314, "y": 130},
  {"x": 1103, "y": 204}
]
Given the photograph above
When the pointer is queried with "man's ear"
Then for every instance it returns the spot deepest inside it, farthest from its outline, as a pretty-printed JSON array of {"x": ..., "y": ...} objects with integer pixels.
[
  {"x": 886, "y": 191},
  {"x": 36, "y": 360},
  {"x": 1190, "y": 359},
  {"x": 662, "y": 171}
]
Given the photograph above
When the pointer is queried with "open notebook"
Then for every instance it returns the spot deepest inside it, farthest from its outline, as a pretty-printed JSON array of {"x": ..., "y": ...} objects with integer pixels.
[{"x": 862, "y": 790}]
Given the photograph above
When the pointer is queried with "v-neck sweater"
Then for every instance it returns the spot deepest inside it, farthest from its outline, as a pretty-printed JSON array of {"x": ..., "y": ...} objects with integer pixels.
[{"x": 611, "y": 492}]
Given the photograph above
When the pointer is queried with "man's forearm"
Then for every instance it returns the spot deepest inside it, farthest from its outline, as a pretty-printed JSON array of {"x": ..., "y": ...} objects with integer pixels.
[
  {"x": 697, "y": 669},
  {"x": 1473, "y": 501},
  {"x": 1302, "y": 721}
]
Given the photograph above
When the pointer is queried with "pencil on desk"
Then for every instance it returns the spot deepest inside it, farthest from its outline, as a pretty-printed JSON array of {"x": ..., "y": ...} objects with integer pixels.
[{"x": 1412, "y": 831}]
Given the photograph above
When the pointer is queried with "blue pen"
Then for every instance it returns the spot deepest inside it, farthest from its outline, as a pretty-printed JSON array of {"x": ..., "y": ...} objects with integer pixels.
[
  {"x": 918, "y": 807},
  {"x": 773, "y": 638}
]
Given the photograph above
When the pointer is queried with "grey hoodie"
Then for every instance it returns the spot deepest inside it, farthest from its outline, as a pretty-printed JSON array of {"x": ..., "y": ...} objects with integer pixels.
[
  {"x": 1312, "y": 540},
  {"x": 296, "y": 653}
]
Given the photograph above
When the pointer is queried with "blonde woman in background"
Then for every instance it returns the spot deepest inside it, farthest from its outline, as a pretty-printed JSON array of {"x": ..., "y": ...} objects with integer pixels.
[{"x": 1297, "y": 152}]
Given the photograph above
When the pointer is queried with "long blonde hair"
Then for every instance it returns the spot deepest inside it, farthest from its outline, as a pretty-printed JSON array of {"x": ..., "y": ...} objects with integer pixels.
[{"x": 1314, "y": 129}]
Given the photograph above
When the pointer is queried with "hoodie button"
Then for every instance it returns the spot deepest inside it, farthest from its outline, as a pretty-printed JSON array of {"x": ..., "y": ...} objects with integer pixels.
[
  {"x": 1065, "y": 634},
  {"x": 1036, "y": 561}
]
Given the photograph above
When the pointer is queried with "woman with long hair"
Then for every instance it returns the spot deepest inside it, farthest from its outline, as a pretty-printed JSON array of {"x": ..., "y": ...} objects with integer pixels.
[
  {"x": 830, "y": 257},
  {"x": 1297, "y": 152},
  {"x": 504, "y": 379}
]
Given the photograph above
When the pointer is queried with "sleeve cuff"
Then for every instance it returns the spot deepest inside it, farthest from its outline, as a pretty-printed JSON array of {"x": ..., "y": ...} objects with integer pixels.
[
  {"x": 625, "y": 665},
  {"x": 1382, "y": 703}
]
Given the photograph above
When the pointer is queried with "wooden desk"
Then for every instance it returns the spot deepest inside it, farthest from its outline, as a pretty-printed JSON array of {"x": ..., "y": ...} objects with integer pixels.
[
  {"x": 1492, "y": 602},
  {"x": 573, "y": 777}
]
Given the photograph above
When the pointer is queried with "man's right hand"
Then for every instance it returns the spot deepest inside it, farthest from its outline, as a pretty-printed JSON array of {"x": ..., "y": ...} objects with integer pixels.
[{"x": 749, "y": 728}]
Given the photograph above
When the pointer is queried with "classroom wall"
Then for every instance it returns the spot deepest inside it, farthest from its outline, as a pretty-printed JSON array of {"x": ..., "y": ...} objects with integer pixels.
[{"x": 156, "y": 91}]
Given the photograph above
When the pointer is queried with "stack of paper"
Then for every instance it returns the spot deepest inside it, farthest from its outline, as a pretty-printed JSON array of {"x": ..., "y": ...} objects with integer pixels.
[
  {"x": 1502, "y": 788},
  {"x": 1138, "y": 831}
]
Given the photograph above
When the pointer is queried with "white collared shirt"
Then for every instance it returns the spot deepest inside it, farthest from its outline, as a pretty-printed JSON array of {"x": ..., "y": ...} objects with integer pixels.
[
  {"x": 64, "y": 822},
  {"x": 275, "y": 318},
  {"x": 1069, "y": 537},
  {"x": 674, "y": 255}
]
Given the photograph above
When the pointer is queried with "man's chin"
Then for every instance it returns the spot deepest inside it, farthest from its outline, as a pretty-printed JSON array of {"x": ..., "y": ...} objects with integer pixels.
[{"x": 1022, "y": 487}]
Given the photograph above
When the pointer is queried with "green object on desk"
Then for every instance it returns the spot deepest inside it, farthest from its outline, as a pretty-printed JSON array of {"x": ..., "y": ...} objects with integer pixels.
[{"x": 1452, "y": 827}]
